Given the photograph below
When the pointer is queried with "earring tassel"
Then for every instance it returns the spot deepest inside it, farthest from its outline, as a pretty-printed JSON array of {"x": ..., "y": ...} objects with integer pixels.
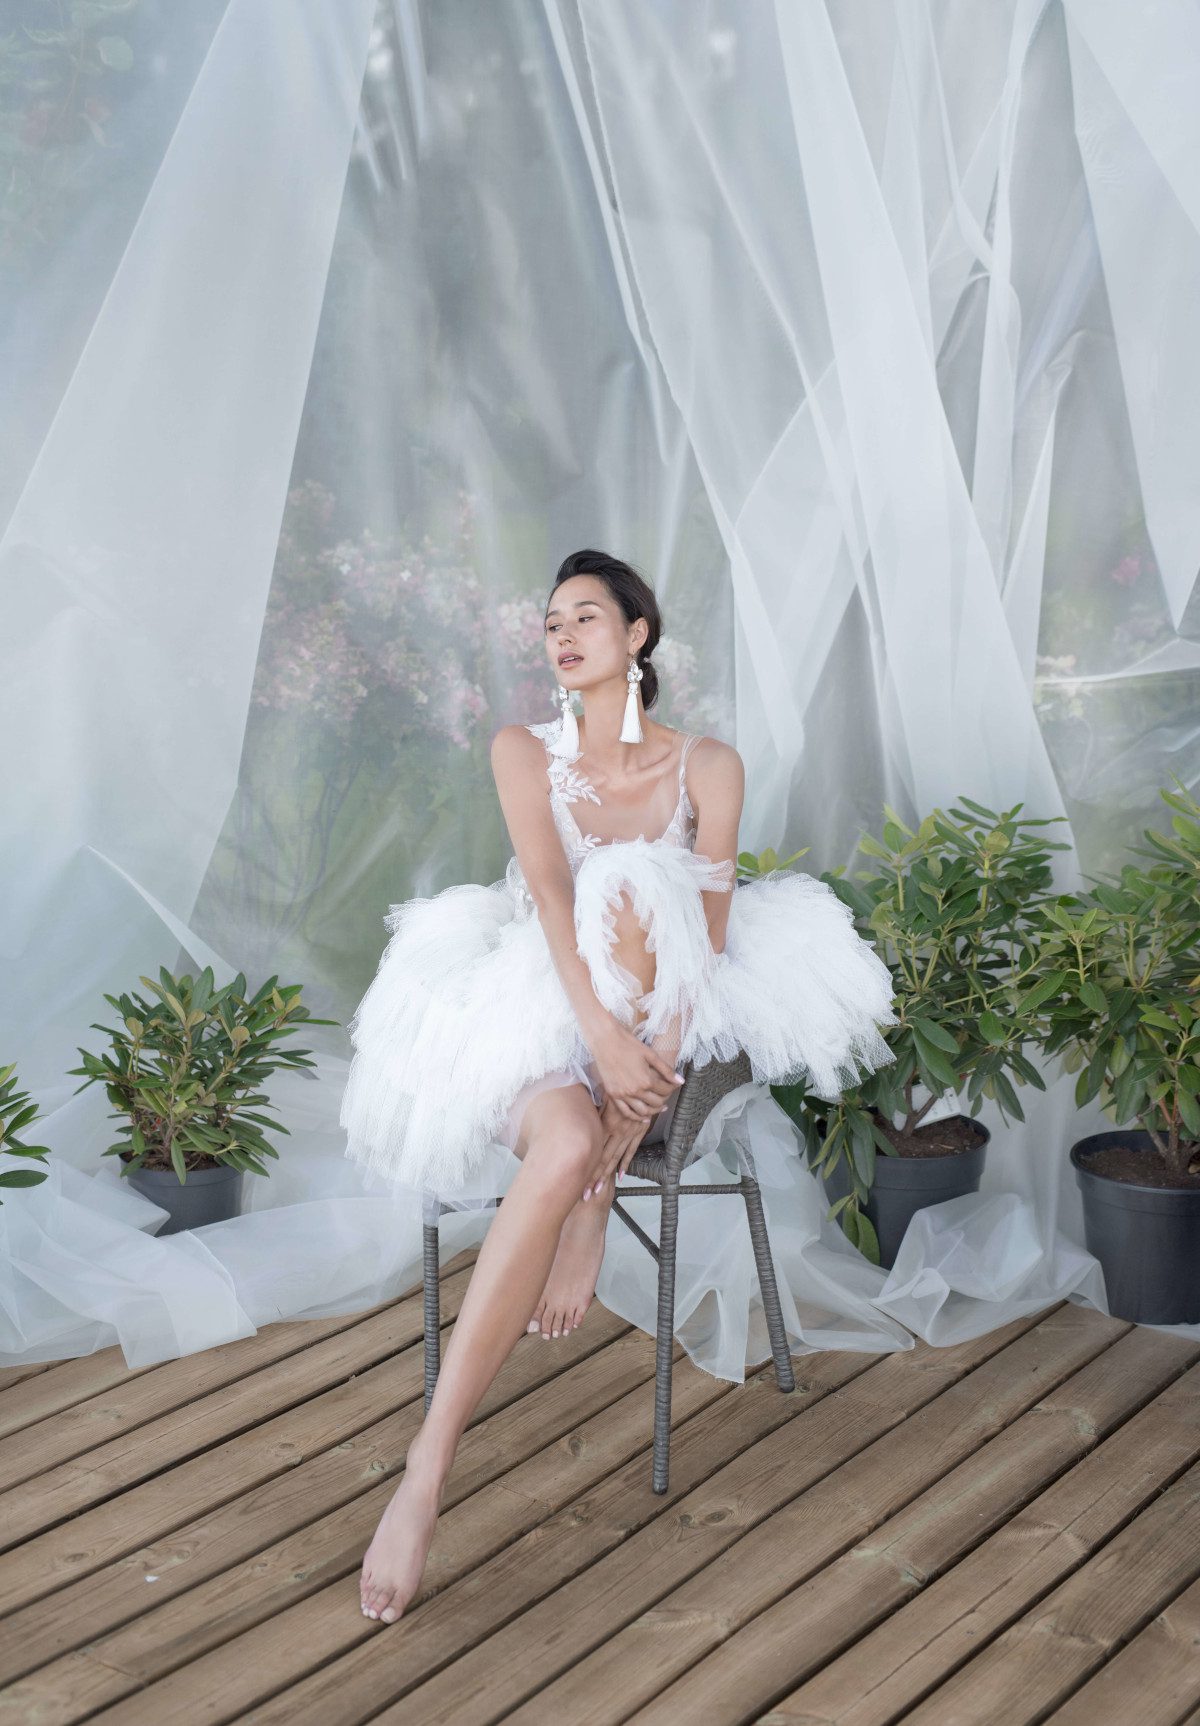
[
  {"x": 631, "y": 726},
  {"x": 566, "y": 744}
]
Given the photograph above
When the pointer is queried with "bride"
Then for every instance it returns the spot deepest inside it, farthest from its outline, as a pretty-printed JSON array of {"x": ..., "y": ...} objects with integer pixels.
[{"x": 610, "y": 946}]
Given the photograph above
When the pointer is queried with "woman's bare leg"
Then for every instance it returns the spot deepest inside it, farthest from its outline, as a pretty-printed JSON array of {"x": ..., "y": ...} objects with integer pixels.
[
  {"x": 572, "y": 1280},
  {"x": 559, "y": 1144}
]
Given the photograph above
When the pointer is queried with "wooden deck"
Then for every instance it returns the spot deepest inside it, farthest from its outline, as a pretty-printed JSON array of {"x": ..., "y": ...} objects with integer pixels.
[{"x": 1000, "y": 1532}]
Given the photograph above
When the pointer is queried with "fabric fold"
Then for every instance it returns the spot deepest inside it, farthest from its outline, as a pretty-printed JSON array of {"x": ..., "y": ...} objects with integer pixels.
[{"x": 440, "y": 1052}]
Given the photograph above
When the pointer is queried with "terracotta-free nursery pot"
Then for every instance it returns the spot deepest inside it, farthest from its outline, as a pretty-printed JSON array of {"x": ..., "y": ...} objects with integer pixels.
[
  {"x": 1147, "y": 1238},
  {"x": 210, "y": 1195},
  {"x": 906, "y": 1184}
]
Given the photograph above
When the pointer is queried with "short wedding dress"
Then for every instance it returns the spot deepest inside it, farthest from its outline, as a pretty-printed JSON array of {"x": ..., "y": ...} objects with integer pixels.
[{"x": 466, "y": 1020}]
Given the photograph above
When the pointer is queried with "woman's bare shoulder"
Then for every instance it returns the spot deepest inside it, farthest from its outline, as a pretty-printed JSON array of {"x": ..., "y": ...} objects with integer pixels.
[
  {"x": 713, "y": 759},
  {"x": 516, "y": 747}
]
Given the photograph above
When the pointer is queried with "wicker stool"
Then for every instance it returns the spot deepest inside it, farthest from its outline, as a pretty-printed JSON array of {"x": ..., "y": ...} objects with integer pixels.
[{"x": 664, "y": 1164}]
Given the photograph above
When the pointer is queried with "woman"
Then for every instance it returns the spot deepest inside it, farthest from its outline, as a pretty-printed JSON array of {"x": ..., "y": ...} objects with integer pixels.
[{"x": 545, "y": 1017}]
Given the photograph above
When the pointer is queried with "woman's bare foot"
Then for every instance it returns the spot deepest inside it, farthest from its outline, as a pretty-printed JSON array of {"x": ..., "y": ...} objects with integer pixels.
[
  {"x": 572, "y": 1280},
  {"x": 393, "y": 1563}
]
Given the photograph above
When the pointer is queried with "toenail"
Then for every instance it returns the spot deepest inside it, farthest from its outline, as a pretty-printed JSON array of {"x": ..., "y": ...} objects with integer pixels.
[
  {"x": 532, "y": 1325},
  {"x": 587, "y": 1195},
  {"x": 372, "y": 1613},
  {"x": 555, "y": 1333},
  {"x": 389, "y": 1615}
]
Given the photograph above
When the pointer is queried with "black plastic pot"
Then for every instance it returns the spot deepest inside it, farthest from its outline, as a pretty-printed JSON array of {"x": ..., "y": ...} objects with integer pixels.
[
  {"x": 210, "y": 1195},
  {"x": 1146, "y": 1238},
  {"x": 905, "y": 1185}
]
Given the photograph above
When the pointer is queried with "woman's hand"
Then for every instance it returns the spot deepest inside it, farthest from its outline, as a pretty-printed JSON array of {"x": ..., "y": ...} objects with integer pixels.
[
  {"x": 637, "y": 1078},
  {"x": 621, "y": 1139}
]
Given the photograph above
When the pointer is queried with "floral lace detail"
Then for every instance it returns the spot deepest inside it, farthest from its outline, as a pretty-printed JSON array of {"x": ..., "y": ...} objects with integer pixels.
[{"x": 567, "y": 786}]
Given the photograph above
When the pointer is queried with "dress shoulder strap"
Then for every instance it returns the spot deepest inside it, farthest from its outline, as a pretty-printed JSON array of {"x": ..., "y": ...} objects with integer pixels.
[{"x": 684, "y": 803}]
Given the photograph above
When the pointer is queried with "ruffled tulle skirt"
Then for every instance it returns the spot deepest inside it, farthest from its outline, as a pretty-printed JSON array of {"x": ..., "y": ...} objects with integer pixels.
[{"x": 466, "y": 1014}]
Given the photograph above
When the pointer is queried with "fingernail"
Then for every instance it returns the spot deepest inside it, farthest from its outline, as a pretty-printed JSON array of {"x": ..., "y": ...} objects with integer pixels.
[
  {"x": 679, "y": 1076},
  {"x": 587, "y": 1193}
]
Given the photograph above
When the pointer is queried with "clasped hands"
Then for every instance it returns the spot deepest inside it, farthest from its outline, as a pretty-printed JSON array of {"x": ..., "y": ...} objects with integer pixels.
[{"x": 638, "y": 1082}]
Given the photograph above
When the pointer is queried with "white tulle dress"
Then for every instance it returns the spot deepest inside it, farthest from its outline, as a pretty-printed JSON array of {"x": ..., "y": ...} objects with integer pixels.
[{"x": 466, "y": 1019}]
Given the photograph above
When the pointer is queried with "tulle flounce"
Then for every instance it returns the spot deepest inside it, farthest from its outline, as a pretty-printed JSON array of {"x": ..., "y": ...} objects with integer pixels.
[{"x": 466, "y": 1006}]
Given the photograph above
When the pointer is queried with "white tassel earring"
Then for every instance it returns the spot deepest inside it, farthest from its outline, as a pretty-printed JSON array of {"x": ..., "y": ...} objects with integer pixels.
[
  {"x": 566, "y": 744},
  {"x": 631, "y": 726}
]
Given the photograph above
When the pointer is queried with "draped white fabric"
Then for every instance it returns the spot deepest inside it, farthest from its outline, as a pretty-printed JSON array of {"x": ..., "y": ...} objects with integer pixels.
[{"x": 870, "y": 339}]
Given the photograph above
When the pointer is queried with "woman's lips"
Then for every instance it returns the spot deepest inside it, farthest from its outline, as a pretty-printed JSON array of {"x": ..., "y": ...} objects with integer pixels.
[{"x": 571, "y": 659}]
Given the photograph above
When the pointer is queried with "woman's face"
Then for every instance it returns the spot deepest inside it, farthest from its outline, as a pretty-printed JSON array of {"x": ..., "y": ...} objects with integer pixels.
[{"x": 584, "y": 621}]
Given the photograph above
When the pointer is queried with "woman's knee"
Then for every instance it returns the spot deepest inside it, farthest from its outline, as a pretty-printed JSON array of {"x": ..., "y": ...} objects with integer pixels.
[{"x": 562, "y": 1146}]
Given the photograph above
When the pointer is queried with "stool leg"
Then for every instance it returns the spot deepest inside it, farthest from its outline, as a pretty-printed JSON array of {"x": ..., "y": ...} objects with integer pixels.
[
  {"x": 784, "y": 1375},
  {"x": 667, "y": 1235},
  {"x": 433, "y": 1314}
]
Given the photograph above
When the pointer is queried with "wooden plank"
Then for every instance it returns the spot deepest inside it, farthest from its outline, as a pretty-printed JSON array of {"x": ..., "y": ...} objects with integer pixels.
[
  {"x": 205, "y": 1615},
  {"x": 1038, "y": 1662},
  {"x": 335, "y": 1637},
  {"x": 886, "y": 1673},
  {"x": 45, "y": 1429},
  {"x": 64, "y": 1386},
  {"x": 106, "y": 1375},
  {"x": 70, "y": 1382},
  {"x": 311, "y": 1419},
  {"x": 519, "y": 1584},
  {"x": 14, "y": 1375},
  {"x": 1155, "y": 1678},
  {"x": 947, "y": 1394},
  {"x": 730, "y": 1658}
]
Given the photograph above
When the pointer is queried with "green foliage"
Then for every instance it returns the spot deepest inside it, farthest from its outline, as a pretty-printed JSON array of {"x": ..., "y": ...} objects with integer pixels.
[
  {"x": 1115, "y": 989},
  {"x": 948, "y": 908},
  {"x": 184, "y": 1071},
  {"x": 16, "y": 1113},
  {"x": 751, "y": 864},
  {"x": 64, "y": 67}
]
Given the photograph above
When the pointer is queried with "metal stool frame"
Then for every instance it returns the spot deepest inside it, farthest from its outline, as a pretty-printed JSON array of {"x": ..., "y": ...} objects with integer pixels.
[{"x": 664, "y": 1165}]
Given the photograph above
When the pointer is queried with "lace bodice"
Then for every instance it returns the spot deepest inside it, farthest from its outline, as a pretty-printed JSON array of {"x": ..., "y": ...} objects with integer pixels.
[{"x": 568, "y": 786}]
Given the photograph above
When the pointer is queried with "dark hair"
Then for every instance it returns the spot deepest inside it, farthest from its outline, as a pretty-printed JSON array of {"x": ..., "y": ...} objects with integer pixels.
[{"x": 634, "y": 595}]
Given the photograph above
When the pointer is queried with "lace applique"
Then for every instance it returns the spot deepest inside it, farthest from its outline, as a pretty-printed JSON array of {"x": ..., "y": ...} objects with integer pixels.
[{"x": 568, "y": 786}]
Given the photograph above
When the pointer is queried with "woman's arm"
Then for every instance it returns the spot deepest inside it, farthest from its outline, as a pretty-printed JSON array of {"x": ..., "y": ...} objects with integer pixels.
[
  {"x": 716, "y": 782},
  {"x": 518, "y": 767},
  {"x": 634, "y": 1075}
]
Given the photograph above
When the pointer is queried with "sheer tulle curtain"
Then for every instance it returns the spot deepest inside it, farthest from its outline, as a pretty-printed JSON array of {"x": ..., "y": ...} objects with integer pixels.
[
  {"x": 904, "y": 279},
  {"x": 869, "y": 340}
]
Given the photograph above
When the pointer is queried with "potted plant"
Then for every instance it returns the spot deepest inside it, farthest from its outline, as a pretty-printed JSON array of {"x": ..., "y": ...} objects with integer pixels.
[
  {"x": 947, "y": 909},
  {"x": 16, "y": 1112},
  {"x": 1119, "y": 974},
  {"x": 185, "y": 1072}
]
